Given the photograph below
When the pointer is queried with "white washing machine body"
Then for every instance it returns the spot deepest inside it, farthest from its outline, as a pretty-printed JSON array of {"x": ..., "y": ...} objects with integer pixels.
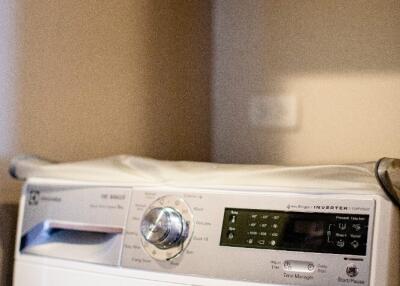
[{"x": 92, "y": 223}]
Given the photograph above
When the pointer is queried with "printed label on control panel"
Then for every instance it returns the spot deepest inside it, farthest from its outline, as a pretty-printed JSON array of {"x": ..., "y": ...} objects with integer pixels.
[
  {"x": 351, "y": 281},
  {"x": 82, "y": 204}
]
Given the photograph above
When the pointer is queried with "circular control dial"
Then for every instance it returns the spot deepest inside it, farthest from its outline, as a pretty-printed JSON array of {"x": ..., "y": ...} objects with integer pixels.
[
  {"x": 166, "y": 227},
  {"x": 163, "y": 227}
]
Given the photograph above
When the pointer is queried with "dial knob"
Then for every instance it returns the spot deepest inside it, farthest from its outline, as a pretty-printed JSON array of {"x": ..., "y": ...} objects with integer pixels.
[{"x": 164, "y": 227}]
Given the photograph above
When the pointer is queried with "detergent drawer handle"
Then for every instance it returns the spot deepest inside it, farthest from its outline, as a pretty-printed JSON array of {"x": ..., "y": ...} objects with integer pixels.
[
  {"x": 50, "y": 224},
  {"x": 84, "y": 242}
]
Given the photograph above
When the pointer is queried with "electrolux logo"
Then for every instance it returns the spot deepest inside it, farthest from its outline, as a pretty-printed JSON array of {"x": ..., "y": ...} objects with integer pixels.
[{"x": 33, "y": 198}]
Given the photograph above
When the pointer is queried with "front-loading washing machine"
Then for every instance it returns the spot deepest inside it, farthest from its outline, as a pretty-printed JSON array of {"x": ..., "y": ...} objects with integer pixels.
[{"x": 134, "y": 221}]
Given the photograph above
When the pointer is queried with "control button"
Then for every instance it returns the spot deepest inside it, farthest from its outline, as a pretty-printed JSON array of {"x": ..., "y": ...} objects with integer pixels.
[
  {"x": 253, "y": 232},
  {"x": 264, "y": 217},
  {"x": 263, "y": 225},
  {"x": 232, "y": 218},
  {"x": 340, "y": 243},
  {"x": 250, "y": 241},
  {"x": 352, "y": 270},
  {"x": 275, "y": 226},
  {"x": 287, "y": 265},
  {"x": 261, "y": 242},
  {"x": 276, "y": 217},
  {"x": 272, "y": 242},
  {"x": 356, "y": 227},
  {"x": 253, "y": 216},
  {"x": 298, "y": 266},
  {"x": 263, "y": 233},
  {"x": 252, "y": 224},
  {"x": 311, "y": 267},
  {"x": 164, "y": 227},
  {"x": 274, "y": 234},
  {"x": 355, "y": 244},
  {"x": 231, "y": 235},
  {"x": 342, "y": 226}
]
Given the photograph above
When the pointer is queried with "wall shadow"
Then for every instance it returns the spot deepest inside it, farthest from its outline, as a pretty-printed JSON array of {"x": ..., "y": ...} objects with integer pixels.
[
  {"x": 340, "y": 59},
  {"x": 176, "y": 76},
  {"x": 8, "y": 221}
]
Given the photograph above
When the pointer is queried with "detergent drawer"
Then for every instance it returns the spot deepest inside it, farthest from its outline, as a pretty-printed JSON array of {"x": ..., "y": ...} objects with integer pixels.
[{"x": 75, "y": 222}]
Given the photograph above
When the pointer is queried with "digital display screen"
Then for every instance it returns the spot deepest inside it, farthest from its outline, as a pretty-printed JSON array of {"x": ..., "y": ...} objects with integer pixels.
[
  {"x": 312, "y": 228},
  {"x": 296, "y": 231}
]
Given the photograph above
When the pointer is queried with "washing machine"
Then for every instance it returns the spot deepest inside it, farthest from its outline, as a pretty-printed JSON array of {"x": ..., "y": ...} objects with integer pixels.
[{"x": 129, "y": 220}]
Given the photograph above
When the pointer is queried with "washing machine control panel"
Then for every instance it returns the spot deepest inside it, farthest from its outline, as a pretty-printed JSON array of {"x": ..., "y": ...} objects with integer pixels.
[
  {"x": 271, "y": 238},
  {"x": 296, "y": 231}
]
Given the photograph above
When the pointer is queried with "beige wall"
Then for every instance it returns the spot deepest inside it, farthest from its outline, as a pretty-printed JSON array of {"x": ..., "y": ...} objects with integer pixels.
[
  {"x": 83, "y": 79},
  {"x": 339, "y": 59},
  {"x": 108, "y": 77},
  {"x": 7, "y": 97},
  {"x": 8, "y": 197},
  {"x": 96, "y": 78}
]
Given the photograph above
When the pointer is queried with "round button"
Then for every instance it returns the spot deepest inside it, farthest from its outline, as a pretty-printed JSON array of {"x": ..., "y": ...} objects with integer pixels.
[
  {"x": 154, "y": 226},
  {"x": 166, "y": 228},
  {"x": 310, "y": 267},
  {"x": 352, "y": 270},
  {"x": 163, "y": 227}
]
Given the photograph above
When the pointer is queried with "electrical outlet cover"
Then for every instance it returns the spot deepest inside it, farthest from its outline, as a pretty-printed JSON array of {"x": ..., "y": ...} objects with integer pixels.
[{"x": 273, "y": 111}]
